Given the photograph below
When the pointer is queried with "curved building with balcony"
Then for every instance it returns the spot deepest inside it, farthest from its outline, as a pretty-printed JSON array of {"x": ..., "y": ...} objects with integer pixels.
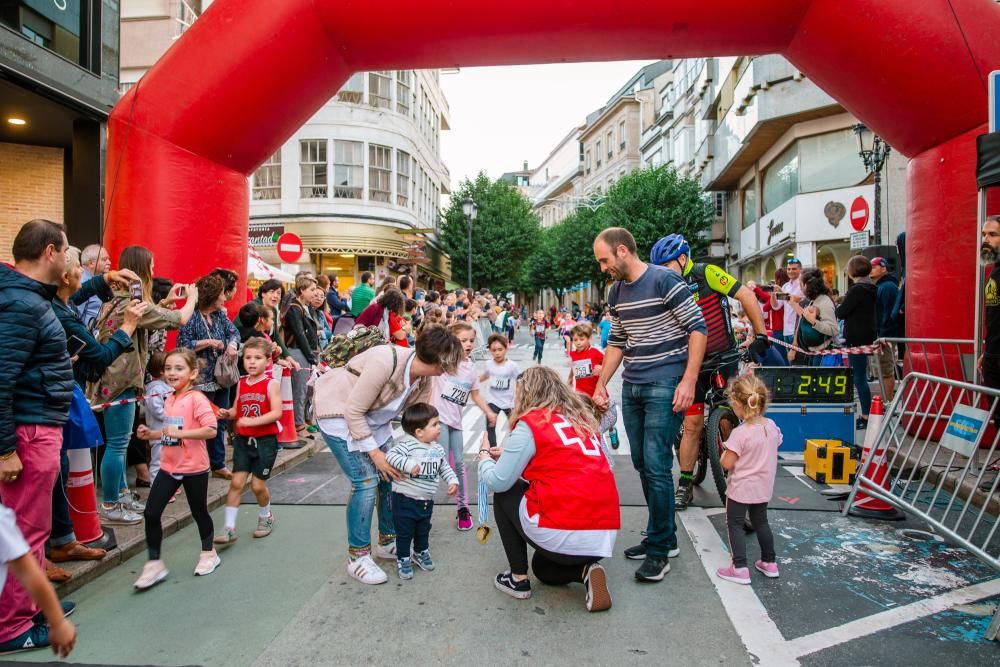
[{"x": 360, "y": 183}]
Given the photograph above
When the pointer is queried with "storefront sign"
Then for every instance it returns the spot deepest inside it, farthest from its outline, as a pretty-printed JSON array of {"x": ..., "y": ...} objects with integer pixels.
[
  {"x": 265, "y": 236},
  {"x": 774, "y": 228}
]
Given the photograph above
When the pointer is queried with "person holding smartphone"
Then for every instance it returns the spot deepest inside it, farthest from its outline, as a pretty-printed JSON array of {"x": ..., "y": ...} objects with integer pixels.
[{"x": 90, "y": 358}]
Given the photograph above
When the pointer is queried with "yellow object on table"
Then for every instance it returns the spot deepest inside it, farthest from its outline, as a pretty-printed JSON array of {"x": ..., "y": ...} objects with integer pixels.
[{"x": 830, "y": 462}]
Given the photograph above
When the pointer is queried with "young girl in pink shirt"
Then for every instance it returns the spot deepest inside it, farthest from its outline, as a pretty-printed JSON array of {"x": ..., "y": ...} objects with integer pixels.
[
  {"x": 751, "y": 456},
  {"x": 189, "y": 421}
]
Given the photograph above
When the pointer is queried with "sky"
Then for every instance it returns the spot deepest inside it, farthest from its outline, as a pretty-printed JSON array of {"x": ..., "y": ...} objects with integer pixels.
[{"x": 502, "y": 116}]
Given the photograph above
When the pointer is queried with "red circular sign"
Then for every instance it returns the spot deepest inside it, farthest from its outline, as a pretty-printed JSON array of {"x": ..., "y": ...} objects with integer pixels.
[
  {"x": 289, "y": 248},
  {"x": 859, "y": 214}
]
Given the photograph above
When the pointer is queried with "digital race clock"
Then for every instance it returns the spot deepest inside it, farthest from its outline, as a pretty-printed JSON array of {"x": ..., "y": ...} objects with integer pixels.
[{"x": 805, "y": 384}]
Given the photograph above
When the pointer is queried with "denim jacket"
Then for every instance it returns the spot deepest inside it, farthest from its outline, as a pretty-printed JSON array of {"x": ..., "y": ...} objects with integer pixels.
[{"x": 216, "y": 327}]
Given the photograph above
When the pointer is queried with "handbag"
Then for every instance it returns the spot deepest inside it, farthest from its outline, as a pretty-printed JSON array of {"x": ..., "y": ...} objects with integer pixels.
[
  {"x": 809, "y": 337},
  {"x": 81, "y": 430},
  {"x": 226, "y": 371}
]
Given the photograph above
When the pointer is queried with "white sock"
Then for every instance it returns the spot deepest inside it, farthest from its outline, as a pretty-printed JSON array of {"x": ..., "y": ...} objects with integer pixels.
[
  {"x": 230, "y": 520},
  {"x": 265, "y": 511}
]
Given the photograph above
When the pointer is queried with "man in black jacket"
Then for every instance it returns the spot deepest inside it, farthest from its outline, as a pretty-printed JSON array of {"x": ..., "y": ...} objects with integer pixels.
[
  {"x": 887, "y": 290},
  {"x": 36, "y": 386}
]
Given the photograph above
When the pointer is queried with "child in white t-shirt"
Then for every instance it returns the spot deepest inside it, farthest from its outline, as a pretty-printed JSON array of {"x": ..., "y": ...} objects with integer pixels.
[
  {"x": 499, "y": 375},
  {"x": 452, "y": 392}
]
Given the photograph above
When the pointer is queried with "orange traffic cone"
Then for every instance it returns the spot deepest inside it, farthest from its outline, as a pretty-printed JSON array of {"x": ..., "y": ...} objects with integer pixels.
[
  {"x": 287, "y": 437},
  {"x": 82, "y": 499},
  {"x": 865, "y": 505}
]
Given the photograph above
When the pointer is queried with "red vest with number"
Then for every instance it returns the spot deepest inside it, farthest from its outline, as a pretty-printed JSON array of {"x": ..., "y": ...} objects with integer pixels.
[
  {"x": 571, "y": 486},
  {"x": 254, "y": 402}
]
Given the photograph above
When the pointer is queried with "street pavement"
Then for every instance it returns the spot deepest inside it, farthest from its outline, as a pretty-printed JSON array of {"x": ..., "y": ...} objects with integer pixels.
[{"x": 851, "y": 592}]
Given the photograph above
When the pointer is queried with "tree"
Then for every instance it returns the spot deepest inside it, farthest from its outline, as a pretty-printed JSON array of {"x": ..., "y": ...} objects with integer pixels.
[
  {"x": 504, "y": 234},
  {"x": 652, "y": 203},
  {"x": 576, "y": 242}
]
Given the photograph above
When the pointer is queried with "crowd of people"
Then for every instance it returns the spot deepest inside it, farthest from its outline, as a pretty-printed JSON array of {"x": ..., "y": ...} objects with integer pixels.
[{"x": 78, "y": 333}]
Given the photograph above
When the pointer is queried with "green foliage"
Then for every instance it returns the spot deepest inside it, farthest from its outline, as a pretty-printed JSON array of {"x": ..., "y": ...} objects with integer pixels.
[
  {"x": 652, "y": 203},
  {"x": 504, "y": 234}
]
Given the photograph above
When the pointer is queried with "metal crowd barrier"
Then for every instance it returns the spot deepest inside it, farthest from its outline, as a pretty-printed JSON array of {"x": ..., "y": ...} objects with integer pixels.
[
  {"x": 938, "y": 472},
  {"x": 943, "y": 357}
]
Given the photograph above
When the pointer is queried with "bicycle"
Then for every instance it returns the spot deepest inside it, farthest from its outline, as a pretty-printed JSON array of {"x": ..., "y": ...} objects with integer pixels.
[{"x": 719, "y": 424}]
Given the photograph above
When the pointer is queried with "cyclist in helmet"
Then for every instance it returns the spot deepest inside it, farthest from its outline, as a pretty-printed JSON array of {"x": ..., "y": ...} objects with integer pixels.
[{"x": 711, "y": 287}]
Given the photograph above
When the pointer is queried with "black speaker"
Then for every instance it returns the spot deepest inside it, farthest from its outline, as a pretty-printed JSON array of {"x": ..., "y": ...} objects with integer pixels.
[{"x": 887, "y": 252}]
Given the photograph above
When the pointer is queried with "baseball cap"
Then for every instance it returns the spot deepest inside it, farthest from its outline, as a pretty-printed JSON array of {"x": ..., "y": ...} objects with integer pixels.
[{"x": 880, "y": 261}]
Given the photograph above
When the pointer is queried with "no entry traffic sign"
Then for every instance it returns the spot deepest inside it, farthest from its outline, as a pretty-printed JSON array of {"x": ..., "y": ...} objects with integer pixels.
[
  {"x": 289, "y": 248},
  {"x": 859, "y": 214}
]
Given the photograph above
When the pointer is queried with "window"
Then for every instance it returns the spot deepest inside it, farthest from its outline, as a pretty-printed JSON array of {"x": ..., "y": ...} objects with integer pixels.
[
  {"x": 611, "y": 144},
  {"x": 749, "y": 205},
  {"x": 69, "y": 28},
  {"x": 829, "y": 161},
  {"x": 380, "y": 89},
  {"x": 621, "y": 134},
  {"x": 403, "y": 92},
  {"x": 781, "y": 180},
  {"x": 587, "y": 162},
  {"x": 379, "y": 173},
  {"x": 267, "y": 179},
  {"x": 348, "y": 169},
  {"x": 598, "y": 152},
  {"x": 353, "y": 91},
  {"x": 313, "y": 168},
  {"x": 402, "y": 179}
]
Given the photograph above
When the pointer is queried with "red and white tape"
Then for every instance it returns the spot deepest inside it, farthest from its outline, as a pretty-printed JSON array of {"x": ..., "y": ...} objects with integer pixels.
[
  {"x": 857, "y": 349},
  {"x": 126, "y": 401}
]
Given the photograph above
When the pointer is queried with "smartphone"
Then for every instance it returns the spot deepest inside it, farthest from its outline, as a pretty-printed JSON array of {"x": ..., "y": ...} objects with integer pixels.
[
  {"x": 781, "y": 296},
  {"x": 182, "y": 291},
  {"x": 75, "y": 345},
  {"x": 766, "y": 288},
  {"x": 135, "y": 287}
]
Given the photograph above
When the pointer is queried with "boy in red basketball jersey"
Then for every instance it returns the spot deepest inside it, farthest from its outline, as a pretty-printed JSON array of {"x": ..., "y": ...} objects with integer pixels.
[{"x": 255, "y": 447}]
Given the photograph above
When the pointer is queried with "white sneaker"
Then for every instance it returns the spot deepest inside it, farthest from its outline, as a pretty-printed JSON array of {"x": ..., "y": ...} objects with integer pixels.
[
  {"x": 366, "y": 571},
  {"x": 386, "y": 552},
  {"x": 207, "y": 562},
  {"x": 153, "y": 572}
]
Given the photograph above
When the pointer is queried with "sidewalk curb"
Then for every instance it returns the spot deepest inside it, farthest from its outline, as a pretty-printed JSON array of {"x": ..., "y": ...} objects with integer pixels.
[{"x": 132, "y": 539}]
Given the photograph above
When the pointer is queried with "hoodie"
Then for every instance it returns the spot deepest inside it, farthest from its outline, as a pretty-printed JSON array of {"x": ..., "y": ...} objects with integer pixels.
[
  {"x": 36, "y": 378},
  {"x": 888, "y": 290}
]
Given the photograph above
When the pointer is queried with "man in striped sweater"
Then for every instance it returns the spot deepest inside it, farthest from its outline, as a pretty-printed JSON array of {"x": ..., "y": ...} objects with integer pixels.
[{"x": 659, "y": 332}]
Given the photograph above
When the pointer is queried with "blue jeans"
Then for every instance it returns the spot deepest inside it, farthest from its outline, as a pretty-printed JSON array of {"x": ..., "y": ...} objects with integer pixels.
[
  {"x": 118, "y": 420},
  {"x": 859, "y": 364},
  {"x": 217, "y": 444},
  {"x": 539, "y": 348},
  {"x": 652, "y": 426},
  {"x": 453, "y": 441},
  {"x": 367, "y": 490}
]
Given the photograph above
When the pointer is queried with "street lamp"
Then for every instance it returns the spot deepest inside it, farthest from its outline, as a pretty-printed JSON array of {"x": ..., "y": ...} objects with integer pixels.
[
  {"x": 471, "y": 212},
  {"x": 874, "y": 160}
]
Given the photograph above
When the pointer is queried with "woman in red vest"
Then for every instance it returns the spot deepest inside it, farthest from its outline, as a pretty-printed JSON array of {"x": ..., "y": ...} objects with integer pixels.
[{"x": 554, "y": 490}]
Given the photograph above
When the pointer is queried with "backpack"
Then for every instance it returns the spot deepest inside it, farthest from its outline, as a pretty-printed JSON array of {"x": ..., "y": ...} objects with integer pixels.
[{"x": 345, "y": 346}]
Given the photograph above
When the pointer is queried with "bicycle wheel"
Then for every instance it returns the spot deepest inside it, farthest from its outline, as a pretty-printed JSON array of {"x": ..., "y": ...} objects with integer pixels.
[
  {"x": 721, "y": 423},
  {"x": 700, "y": 464}
]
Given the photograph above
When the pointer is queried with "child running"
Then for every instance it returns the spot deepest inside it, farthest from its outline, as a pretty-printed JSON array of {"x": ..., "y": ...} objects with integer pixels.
[
  {"x": 452, "y": 393},
  {"x": 499, "y": 376},
  {"x": 539, "y": 327},
  {"x": 255, "y": 447},
  {"x": 751, "y": 456},
  {"x": 423, "y": 460},
  {"x": 584, "y": 370},
  {"x": 188, "y": 422}
]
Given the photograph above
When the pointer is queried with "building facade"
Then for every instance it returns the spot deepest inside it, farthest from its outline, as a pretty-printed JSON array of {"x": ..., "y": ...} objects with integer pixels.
[
  {"x": 361, "y": 182},
  {"x": 58, "y": 82}
]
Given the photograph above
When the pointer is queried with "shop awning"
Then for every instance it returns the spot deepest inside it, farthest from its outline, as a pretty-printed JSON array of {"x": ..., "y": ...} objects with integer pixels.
[{"x": 261, "y": 270}]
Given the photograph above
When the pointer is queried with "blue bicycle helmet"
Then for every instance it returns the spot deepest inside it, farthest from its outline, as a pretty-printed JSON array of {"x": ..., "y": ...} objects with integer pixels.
[{"x": 669, "y": 248}]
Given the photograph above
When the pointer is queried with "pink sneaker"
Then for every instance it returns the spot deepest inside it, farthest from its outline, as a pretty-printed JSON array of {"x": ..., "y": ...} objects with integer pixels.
[
  {"x": 737, "y": 575},
  {"x": 464, "y": 519},
  {"x": 767, "y": 569}
]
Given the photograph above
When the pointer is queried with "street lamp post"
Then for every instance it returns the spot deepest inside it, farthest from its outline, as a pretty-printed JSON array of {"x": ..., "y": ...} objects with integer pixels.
[
  {"x": 471, "y": 212},
  {"x": 874, "y": 160}
]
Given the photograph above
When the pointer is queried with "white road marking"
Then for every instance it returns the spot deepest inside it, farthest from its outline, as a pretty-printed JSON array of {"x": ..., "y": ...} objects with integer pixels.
[
  {"x": 747, "y": 613},
  {"x": 893, "y": 617}
]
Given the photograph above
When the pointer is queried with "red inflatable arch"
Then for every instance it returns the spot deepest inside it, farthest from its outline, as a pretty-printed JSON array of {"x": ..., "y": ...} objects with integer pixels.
[{"x": 250, "y": 72}]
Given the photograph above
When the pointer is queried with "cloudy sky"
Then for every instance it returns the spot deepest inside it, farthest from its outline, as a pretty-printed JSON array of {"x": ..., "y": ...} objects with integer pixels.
[{"x": 502, "y": 116}]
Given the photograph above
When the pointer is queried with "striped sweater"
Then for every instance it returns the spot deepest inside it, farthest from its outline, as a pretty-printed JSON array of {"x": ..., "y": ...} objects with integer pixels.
[
  {"x": 409, "y": 453},
  {"x": 651, "y": 319}
]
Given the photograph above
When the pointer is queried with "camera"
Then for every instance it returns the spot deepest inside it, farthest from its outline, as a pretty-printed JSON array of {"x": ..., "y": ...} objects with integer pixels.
[
  {"x": 135, "y": 289},
  {"x": 766, "y": 288}
]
